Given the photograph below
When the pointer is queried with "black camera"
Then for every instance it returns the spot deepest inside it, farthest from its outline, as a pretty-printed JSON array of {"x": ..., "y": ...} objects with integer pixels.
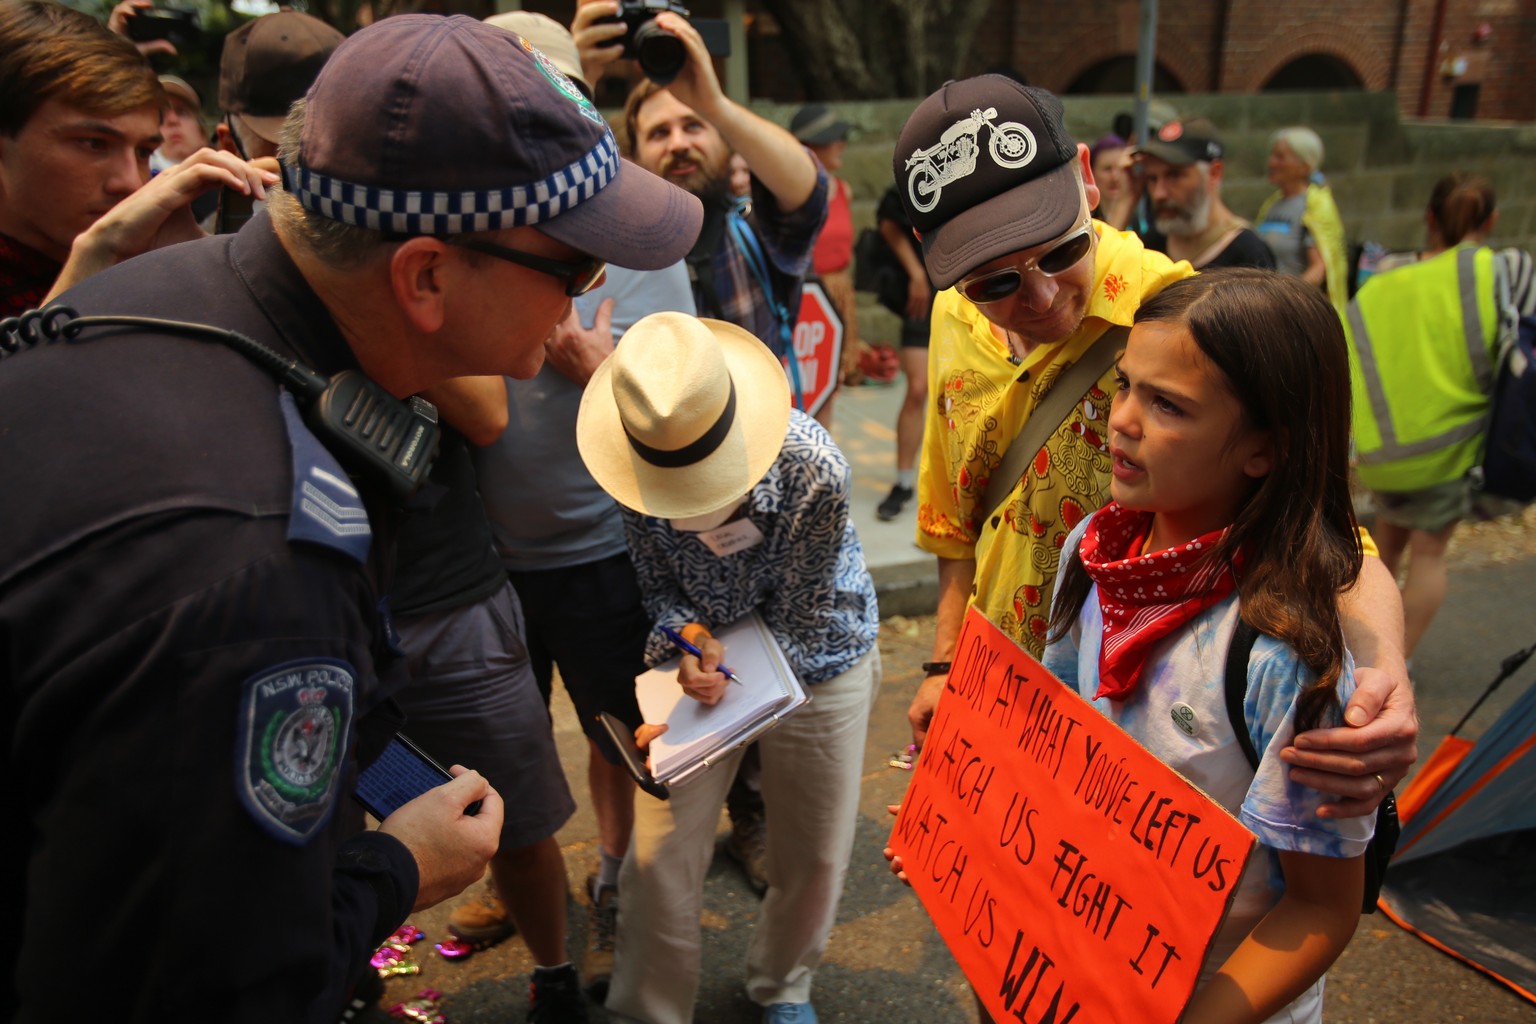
[
  {"x": 660, "y": 53},
  {"x": 177, "y": 26}
]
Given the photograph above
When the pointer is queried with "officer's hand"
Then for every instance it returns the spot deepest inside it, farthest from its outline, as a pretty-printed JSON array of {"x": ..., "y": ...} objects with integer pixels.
[
  {"x": 646, "y": 732},
  {"x": 450, "y": 847}
]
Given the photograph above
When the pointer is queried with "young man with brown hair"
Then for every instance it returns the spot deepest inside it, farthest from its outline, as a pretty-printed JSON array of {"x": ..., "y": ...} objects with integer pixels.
[{"x": 79, "y": 119}]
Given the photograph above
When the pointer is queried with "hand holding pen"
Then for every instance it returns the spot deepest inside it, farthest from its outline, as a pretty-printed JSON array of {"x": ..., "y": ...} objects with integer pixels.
[{"x": 695, "y": 681}]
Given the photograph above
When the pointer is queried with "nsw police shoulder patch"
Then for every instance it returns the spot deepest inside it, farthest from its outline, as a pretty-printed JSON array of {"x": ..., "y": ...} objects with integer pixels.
[{"x": 294, "y": 730}]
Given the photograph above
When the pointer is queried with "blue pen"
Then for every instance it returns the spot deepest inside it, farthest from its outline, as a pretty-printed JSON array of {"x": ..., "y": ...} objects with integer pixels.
[{"x": 681, "y": 644}]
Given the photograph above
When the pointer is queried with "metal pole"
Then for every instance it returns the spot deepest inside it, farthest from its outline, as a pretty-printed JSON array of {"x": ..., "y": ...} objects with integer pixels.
[
  {"x": 736, "y": 78},
  {"x": 1146, "y": 54}
]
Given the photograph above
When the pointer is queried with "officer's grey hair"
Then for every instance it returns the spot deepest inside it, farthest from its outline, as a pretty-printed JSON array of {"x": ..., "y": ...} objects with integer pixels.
[{"x": 341, "y": 245}]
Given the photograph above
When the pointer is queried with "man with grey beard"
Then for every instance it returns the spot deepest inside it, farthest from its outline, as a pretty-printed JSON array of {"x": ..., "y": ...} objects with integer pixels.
[{"x": 1180, "y": 168}]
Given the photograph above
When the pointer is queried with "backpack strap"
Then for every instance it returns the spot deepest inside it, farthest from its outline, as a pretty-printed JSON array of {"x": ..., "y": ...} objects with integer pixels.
[
  {"x": 730, "y": 219},
  {"x": 746, "y": 240},
  {"x": 1243, "y": 639},
  {"x": 1383, "y": 842},
  {"x": 701, "y": 261}
]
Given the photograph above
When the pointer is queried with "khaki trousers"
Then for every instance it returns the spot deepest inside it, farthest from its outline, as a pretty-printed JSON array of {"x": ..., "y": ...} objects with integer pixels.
[{"x": 812, "y": 763}]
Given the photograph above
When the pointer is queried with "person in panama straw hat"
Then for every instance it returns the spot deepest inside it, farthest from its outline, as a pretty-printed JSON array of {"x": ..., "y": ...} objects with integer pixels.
[
  {"x": 686, "y": 419},
  {"x": 735, "y": 503}
]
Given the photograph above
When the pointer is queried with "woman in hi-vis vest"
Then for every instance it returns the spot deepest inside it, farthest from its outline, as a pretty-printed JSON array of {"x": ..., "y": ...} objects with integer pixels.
[{"x": 1423, "y": 346}]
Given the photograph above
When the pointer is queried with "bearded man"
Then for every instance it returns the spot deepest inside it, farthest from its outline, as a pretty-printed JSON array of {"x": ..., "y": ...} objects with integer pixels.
[
  {"x": 1181, "y": 170},
  {"x": 750, "y": 258}
]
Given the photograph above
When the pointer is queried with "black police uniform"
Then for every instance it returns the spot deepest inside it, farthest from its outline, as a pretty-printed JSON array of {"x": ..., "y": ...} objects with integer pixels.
[{"x": 192, "y": 644}]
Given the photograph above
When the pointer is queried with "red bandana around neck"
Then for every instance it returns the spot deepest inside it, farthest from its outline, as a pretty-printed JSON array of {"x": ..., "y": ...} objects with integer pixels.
[{"x": 1144, "y": 598}]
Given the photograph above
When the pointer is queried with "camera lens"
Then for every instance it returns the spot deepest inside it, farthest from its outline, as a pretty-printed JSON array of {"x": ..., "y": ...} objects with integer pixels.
[{"x": 661, "y": 54}]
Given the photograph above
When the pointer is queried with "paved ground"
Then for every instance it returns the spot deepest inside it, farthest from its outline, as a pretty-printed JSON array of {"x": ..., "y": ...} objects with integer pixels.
[{"x": 886, "y": 963}]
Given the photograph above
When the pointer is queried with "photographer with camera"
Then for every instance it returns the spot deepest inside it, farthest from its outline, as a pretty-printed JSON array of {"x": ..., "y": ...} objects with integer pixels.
[{"x": 746, "y": 266}]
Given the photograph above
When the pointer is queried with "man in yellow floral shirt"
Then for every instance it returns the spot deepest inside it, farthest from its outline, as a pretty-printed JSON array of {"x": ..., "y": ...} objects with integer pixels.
[{"x": 999, "y": 193}]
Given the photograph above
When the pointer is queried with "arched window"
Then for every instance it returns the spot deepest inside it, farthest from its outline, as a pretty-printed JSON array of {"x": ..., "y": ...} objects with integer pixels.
[
  {"x": 1118, "y": 75},
  {"x": 1313, "y": 71}
]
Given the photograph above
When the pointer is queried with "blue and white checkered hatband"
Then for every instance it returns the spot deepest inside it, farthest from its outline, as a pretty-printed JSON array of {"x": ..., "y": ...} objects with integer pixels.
[{"x": 454, "y": 213}]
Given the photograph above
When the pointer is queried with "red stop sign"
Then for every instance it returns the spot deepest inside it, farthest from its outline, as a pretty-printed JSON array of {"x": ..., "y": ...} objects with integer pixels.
[{"x": 818, "y": 348}]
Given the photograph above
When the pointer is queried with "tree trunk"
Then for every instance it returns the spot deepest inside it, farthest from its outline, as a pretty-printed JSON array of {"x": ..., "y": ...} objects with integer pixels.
[{"x": 871, "y": 49}]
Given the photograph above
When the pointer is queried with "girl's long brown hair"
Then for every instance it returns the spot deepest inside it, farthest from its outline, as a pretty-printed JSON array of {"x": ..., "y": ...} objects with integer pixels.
[{"x": 1280, "y": 347}]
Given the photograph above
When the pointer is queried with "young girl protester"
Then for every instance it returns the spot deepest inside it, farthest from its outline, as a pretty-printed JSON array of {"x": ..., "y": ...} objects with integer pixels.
[{"x": 1229, "y": 435}]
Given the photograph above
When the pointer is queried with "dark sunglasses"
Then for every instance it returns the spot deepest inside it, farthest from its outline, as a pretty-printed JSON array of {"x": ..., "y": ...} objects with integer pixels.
[
  {"x": 580, "y": 276},
  {"x": 1059, "y": 258}
]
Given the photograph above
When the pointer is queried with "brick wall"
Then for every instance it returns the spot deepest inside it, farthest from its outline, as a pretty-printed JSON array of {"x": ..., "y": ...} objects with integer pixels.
[
  {"x": 1055, "y": 44},
  {"x": 1233, "y": 45},
  {"x": 1501, "y": 66}
]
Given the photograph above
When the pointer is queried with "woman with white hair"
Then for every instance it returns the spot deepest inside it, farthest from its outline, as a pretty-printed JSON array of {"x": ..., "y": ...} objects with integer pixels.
[{"x": 1301, "y": 222}]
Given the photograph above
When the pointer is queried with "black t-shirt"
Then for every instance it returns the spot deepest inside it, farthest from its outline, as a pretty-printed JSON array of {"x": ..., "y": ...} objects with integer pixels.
[
  {"x": 891, "y": 209},
  {"x": 445, "y": 555},
  {"x": 1246, "y": 250},
  {"x": 891, "y": 276}
]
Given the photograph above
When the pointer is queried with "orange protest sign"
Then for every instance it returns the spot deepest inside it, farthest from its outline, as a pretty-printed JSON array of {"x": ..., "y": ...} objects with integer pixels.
[{"x": 1073, "y": 875}]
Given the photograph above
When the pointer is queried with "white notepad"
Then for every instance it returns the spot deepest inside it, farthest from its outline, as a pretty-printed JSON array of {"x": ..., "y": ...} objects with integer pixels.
[{"x": 698, "y": 735}]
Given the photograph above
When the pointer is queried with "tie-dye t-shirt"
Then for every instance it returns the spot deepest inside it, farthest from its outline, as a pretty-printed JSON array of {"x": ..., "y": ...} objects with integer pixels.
[{"x": 1185, "y": 673}]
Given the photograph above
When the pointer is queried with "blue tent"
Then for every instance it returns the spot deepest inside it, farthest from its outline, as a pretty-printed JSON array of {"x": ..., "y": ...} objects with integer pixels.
[{"x": 1464, "y": 874}]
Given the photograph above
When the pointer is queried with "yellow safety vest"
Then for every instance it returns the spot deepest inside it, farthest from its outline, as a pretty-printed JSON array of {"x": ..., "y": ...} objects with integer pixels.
[{"x": 1421, "y": 361}]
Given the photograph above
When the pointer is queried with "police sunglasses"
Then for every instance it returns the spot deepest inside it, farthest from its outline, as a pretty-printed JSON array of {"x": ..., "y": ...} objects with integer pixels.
[
  {"x": 580, "y": 276},
  {"x": 1058, "y": 259}
]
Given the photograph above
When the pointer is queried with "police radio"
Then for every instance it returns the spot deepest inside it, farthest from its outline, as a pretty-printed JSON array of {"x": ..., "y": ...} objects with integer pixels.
[{"x": 370, "y": 431}]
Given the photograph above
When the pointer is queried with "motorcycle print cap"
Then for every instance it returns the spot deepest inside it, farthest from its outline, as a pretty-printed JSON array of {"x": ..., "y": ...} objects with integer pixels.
[{"x": 984, "y": 169}]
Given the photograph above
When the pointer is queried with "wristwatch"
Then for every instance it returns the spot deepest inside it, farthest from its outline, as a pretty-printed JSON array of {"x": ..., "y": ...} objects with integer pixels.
[{"x": 936, "y": 668}]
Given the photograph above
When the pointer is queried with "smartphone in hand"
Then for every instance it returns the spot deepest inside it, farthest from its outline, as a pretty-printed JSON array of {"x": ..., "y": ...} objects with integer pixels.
[{"x": 402, "y": 773}]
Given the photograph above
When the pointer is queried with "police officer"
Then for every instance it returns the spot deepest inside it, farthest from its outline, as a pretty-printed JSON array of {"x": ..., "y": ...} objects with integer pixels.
[{"x": 190, "y": 625}]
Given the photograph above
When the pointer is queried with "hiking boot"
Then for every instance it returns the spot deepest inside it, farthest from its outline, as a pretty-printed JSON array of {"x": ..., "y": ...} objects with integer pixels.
[
  {"x": 554, "y": 996},
  {"x": 481, "y": 919},
  {"x": 894, "y": 502},
  {"x": 602, "y": 921},
  {"x": 748, "y": 846}
]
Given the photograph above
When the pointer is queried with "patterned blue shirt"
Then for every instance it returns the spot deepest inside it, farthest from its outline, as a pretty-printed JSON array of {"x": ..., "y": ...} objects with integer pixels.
[{"x": 807, "y": 578}]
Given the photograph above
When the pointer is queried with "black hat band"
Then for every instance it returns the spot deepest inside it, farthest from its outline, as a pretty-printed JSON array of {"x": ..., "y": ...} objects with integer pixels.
[{"x": 695, "y": 452}]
